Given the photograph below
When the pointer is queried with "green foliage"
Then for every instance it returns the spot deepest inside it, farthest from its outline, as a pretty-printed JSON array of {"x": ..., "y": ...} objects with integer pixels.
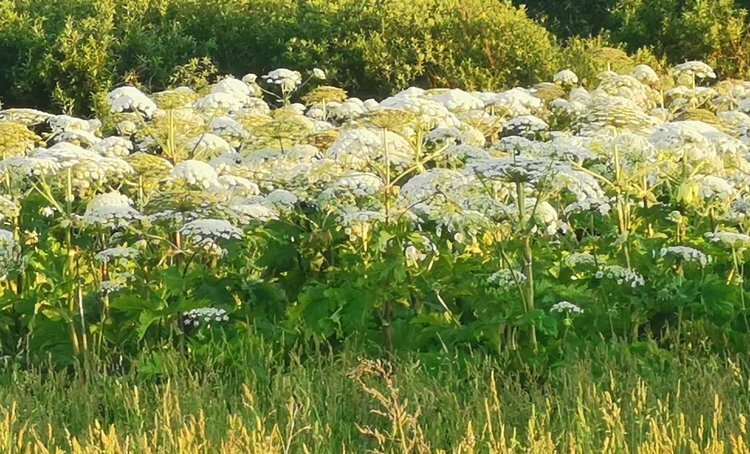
[
  {"x": 589, "y": 57},
  {"x": 715, "y": 31},
  {"x": 569, "y": 18},
  {"x": 68, "y": 54}
]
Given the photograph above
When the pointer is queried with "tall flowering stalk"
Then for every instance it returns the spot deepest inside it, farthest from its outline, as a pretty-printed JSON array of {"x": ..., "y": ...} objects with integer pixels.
[{"x": 527, "y": 288}]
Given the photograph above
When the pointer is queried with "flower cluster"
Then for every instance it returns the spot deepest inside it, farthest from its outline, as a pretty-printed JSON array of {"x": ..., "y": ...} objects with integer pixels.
[
  {"x": 622, "y": 276},
  {"x": 206, "y": 316},
  {"x": 685, "y": 254},
  {"x": 427, "y": 178},
  {"x": 580, "y": 259},
  {"x": 286, "y": 79},
  {"x": 119, "y": 254},
  {"x": 506, "y": 279},
  {"x": 111, "y": 209},
  {"x": 731, "y": 239},
  {"x": 202, "y": 230},
  {"x": 566, "y": 307}
]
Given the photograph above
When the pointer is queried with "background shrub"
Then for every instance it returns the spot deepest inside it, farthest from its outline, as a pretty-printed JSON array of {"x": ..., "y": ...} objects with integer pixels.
[
  {"x": 715, "y": 30},
  {"x": 67, "y": 54}
]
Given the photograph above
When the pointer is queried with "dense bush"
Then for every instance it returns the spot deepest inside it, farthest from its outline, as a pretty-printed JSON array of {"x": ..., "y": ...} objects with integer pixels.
[
  {"x": 68, "y": 53},
  {"x": 716, "y": 30},
  {"x": 568, "y": 18}
]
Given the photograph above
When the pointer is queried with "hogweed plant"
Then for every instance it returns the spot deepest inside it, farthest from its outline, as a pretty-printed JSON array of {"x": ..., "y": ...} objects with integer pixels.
[{"x": 429, "y": 219}]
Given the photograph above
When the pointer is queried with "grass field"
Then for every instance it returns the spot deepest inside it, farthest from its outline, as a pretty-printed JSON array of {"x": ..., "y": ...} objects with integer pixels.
[{"x": 602, "y": 401}]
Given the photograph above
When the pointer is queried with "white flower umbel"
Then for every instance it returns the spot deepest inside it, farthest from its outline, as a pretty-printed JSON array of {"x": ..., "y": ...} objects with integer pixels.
[
  {"x": 731, "y": 239},
  {"x": 361, "y": 147},
  {"x": 525, "y": 125},
  {"x": 434, "y": 187},
  {"x": 464, "y": 153},
  {"x": 228, "y": 128},
  {"x": 59, "y": 123},
  {"x": 86, "y": 173},
  {"x": 711, "y": 187},
  {"x": 200, "y": 230},
  {"x": 47, "y": 212},
  {"x": 287, "y": 79},
  {"x": 218, "y": 103},
  {"x": 120, "y": 255},
  {"x": 515, "y": 146},
  {"x": 450, "y": 136},
  {"x": 117, "y": 281},
  {"x": 413, "y": 255},
  {"x": 248, "y": 212},
  {"x": 195, "y": 173},
  {"x": 430, "y": 114},
  {"x": 8, "y": 252},
  {"x": 113, "y": 147},
  {"x": 686, "y": 254},
  {"x": 456, "y": 100},
  {"x": 566, "y": 77},
  {"x": 506, "y": 279},
  {"x": 645, "y": 74},
  {"x": 111, "y": 209},
  {"x": 319, "y": 74},
  {"x": 205, "y": 316},
  {"x": 342, "y": 111},
  {"x": 564, "y": 107},
  {"x": 359, "y": 223},
  {"x": 417, "y": 251},
  {"x": 66, "y": 154},
  {"x": 580, "y": 259},
  {"x": 622, "y": 276},
  {"x": 516, "y": 169},
  {"x": 281, "y": 198},
  {"x": 80, "y": 138},
  {"x": 238, "y": 185},
  {"x": 696, "y": 69},
  {"x": 565, "y": 307},
  {"x": 565, "y": 148},
  {"x": 356, "y": 217},
  {"x": 208, "y": 146},
  {"x": 515, "y": 102},
  {"x": 232, "y": 86},
  {"x": 130, "y": 99},
  {"x": 739, "y": 210},
  {"x": 27, "y": 166},
  {"x": 226, "y": 163}
]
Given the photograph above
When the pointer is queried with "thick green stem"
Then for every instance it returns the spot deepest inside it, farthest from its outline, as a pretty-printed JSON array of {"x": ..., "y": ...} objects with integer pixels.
[
  {"x": 386, "y": 194},
  {"x": 740, "y": 271},
  {"x": 388, "y": 304},
  {"x": 171, "y": 152},
  {"x": 528, "y": 259},
  {"x": 70, "y": 270},
  {"x": 680, "y": 278},
  {"x": 623, "y": 210},
  {"x": 418, "y": 150}
]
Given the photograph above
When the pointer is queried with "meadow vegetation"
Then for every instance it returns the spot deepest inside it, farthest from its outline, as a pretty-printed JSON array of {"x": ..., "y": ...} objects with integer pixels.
[
  {"x": 453, "y": 232},
  {"x": 261, "y": 401}
]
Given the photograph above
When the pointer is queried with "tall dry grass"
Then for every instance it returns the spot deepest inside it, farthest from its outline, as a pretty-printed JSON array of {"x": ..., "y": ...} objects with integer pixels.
[{"x": 610, "y": 403}]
